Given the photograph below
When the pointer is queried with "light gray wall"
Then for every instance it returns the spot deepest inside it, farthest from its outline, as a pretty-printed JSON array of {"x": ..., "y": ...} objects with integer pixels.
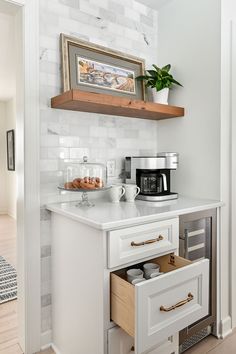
[
  {"x": 3, "y": 160},
  {"x": 189, "y": 39},
  {"x": 10, "y": 123}
]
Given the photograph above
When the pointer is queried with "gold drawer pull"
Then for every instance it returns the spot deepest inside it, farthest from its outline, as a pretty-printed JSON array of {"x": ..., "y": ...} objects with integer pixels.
[
  {"x": 159, "y": 238},
  {"x": 179, "y": 304}
]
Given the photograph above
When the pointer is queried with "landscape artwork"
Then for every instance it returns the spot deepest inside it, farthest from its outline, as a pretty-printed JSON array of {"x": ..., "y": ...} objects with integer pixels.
[{"x": 105, "y": 76}]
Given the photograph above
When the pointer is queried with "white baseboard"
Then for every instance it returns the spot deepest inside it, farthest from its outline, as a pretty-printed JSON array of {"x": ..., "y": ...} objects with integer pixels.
[
  {"x": 55, "y": 349},
  {"x": 13, "y": 216},
  {"x": 46, "y": 340},
  {"x": 225, "y": 327}
]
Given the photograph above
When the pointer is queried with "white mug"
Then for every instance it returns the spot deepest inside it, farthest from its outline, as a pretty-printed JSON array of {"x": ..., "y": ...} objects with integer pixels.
[
  {"x": 116, "y": 192},
  {"x": 150, "y": 268},
  {"x": 134, "y": 274},
  {"x": 131, "y": 192},
  {"x": 155, "y": 274}
]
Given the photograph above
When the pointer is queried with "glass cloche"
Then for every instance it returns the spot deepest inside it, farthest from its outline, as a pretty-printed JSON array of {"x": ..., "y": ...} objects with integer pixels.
[{"x": 85, "y": 176}]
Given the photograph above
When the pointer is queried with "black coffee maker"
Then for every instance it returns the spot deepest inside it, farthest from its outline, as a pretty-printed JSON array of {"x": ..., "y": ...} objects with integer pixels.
[{"x": 152, "y": 175}]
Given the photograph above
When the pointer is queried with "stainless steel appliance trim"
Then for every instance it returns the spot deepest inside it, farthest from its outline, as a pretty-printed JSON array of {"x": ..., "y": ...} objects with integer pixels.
[
  {"x": 159, "y": 198},
  {"x": 167, "y": 154},
  {"x": 211, "y": 217},
  {"x": 197, "y": 247},
  {"x": 195, "y": 233}
]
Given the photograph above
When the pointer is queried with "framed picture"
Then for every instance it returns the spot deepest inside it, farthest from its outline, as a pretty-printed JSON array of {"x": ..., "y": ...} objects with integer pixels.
[
  {"x": 10, "y": 150},
  {"x": 94, "y": 68}
]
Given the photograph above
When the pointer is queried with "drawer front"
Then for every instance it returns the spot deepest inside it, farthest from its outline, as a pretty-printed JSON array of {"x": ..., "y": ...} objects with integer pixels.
[
  {"x": 119, "y": 342},
  {"x": 168, "y": 304},
  {"x": 134, "y": 243}
]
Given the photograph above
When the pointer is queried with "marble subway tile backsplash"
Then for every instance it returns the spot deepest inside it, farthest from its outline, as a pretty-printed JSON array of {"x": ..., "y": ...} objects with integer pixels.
[
  {"x": 123, "y": 25},
  {"x": 99, "y": 137}
]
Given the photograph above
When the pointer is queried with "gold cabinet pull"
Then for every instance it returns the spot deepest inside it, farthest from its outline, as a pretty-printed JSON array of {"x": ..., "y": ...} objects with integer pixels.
[
  {"x": 159, "y": 238},
  {"x": 179, "y": 304}
]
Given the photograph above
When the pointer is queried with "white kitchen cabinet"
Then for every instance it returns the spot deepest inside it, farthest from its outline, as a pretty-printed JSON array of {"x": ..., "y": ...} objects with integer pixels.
[
  {"x": 119, "y": 342},
  {"x": 95, "y": 310}
]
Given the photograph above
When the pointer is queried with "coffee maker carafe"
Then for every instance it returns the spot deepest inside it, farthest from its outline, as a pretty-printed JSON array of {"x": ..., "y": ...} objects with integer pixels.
[
  {"x": 152, "y": 183},
  {"x": 152, "y": 175}
]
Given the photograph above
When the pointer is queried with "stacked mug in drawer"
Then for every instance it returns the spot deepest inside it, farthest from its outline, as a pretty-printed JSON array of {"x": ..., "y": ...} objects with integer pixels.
[{"x": 156, "y": 308}]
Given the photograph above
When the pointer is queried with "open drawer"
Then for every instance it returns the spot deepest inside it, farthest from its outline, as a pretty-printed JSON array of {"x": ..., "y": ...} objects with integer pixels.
[{"x": 157, "y": 308}]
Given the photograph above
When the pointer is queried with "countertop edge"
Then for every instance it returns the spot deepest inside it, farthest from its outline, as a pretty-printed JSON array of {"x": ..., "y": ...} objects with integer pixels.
[{"x": 132, "y": 221}]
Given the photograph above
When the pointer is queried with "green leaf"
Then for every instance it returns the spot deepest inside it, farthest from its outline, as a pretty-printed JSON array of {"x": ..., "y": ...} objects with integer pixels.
[
  {"x": 159, "y": 86},
  {"x": 165, "y": 75},
  {"x": 152, "y": 73},
  {"x": 156, "y": 67},
  {"x": 141, "y": 77},
  {"x": 176, "y": 82},
  {"x": 158, "y": 78},
  {"x": 166, "y": 68}
]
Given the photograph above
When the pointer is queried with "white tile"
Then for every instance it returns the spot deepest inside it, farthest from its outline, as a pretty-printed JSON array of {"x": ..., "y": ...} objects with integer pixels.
[
  {"x": 78, "y": 153},
  {"x": 88, "y": 8},
  {"x": 69, "y": 141},
  {"x": 46, "y": 269},
  {"x": 48, "y": 165},
  {"x": 132, "y": 14},
  {"x": 49, "y": 140},
  {"x": 98, "y": 132},
  {"x": 57, "y": 152}
]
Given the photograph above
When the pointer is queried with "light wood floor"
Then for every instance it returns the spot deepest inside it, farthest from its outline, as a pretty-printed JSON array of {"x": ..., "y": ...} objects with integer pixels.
[{"x": 8, "y": 311}]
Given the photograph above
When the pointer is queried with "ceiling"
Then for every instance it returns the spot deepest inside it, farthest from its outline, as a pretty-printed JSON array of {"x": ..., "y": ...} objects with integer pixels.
[
  {"x": 155, "y": 4},
  {"x": 7, "y": 49}
]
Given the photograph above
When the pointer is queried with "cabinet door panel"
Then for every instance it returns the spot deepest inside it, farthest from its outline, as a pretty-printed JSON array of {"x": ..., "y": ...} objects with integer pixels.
[
  {"x": 119, "y": 342},
  {"x": 159, "y": 307},
  {"x": 135, "y": 243}
]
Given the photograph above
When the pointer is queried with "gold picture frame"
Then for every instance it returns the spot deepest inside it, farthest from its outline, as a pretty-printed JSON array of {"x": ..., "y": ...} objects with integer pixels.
[{"x": 94, "y": 68}]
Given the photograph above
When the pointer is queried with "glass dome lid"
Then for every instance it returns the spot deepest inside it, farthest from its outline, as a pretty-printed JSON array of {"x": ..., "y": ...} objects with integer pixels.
[{"x": 85, "y": 176}]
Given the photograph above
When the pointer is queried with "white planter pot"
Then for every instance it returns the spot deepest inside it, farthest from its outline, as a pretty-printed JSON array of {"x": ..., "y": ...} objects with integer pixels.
[{"x": 161, "y": 96}]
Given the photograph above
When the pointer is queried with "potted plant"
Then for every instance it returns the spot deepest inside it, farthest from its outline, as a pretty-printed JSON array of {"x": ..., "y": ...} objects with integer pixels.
[{"x": 160, "y": 80}]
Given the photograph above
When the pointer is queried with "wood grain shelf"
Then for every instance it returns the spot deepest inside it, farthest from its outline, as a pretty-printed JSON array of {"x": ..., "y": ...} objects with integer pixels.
[{"x": 77, "y": 100}]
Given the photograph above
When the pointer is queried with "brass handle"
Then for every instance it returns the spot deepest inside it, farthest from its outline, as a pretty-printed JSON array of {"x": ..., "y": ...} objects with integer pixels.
[
  {"x": 179, "y": 304},
  {"x": 159, "y": 238}
]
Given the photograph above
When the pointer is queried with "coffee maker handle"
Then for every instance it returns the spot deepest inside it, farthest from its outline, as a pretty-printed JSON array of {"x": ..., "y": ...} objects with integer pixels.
[{"x": 164, "y": 182}]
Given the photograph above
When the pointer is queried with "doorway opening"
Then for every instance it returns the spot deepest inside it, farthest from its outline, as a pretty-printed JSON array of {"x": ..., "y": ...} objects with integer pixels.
[{"x": 9, "y": 336}]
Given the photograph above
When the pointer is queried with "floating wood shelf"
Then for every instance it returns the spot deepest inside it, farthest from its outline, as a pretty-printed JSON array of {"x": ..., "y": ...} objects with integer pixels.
[{"x": 77, "y": 100}]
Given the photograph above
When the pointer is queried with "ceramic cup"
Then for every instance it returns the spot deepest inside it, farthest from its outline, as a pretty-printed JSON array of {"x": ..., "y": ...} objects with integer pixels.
[
  {"x": 116, "y": 192},
  {"x": 150, "y": 268},
  {"x": 131, "y": 192},
  {"x": 155, "y": 274},
  {"x": 134, "y": 274},
  {"x": 136, "y": 281}
]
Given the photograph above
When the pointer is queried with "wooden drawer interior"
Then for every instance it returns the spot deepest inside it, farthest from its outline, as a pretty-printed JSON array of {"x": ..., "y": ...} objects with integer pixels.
[{"x": 123, "y": 292}]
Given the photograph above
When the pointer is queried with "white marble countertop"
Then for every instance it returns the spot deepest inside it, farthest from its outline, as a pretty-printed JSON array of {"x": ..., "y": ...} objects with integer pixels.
[{"x": 107, "y": 216}]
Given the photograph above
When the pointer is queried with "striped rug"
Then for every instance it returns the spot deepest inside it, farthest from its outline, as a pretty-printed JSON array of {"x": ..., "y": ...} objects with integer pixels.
[{"x": 8, "y": 281}]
